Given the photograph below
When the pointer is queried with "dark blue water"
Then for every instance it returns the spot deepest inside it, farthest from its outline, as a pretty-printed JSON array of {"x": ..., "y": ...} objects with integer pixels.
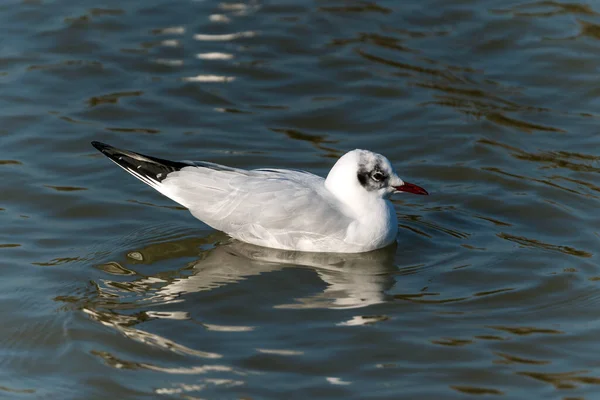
[{"x": 108, "y": 289}]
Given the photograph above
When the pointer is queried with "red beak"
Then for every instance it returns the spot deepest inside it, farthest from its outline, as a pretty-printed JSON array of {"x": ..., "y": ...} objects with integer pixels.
[{"x": 411, "y": 188}]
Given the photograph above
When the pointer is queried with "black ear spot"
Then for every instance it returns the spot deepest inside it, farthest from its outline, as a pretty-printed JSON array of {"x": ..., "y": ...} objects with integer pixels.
[{"x": 363, "y": 177}]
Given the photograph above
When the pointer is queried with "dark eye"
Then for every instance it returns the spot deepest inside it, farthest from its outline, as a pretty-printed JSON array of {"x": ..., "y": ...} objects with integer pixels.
[{"x": 377, "y": 176}]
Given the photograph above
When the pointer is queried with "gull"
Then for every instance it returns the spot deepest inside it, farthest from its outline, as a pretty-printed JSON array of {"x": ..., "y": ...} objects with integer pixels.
[{"x": 347, "y": 212}]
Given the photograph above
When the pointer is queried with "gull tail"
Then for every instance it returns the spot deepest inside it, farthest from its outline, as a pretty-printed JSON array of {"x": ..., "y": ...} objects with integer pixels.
[{"x": 150, "y": 170}]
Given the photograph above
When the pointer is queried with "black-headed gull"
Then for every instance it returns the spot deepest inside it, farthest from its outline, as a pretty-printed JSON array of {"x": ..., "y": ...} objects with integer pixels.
[{"x": 348, "y": 212}]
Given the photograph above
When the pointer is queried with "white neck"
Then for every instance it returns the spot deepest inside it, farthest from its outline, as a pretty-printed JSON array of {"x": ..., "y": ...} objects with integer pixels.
[{"x": 375, "y": 222}]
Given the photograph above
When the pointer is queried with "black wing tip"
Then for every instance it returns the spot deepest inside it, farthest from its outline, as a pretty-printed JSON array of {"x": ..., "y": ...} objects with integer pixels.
[
  {"x": 150, "y": 166},
  {"x": 108, "y": 150},
  {"x": 102, "y": 147},
  {"x": 99, "y": 145}
]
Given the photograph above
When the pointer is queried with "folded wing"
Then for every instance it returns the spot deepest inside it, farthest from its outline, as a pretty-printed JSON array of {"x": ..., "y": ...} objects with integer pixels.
[{"x": 274, "y": 208}]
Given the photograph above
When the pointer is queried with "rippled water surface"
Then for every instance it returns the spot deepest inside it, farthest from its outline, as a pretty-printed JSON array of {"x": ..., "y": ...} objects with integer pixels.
[{"x": 109, "y": 290}]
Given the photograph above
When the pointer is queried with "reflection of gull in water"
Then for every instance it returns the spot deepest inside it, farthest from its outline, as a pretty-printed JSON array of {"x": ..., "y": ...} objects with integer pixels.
[{"x": 354, "y": 280}]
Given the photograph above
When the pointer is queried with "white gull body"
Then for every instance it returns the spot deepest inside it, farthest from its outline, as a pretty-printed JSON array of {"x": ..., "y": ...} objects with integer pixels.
[{"x": 348, "y": 212}]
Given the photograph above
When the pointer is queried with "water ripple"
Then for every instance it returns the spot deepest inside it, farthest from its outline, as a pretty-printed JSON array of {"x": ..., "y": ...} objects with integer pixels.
[
  {"x": 546, "y": 9},
  {"x": 122, "y": 324},
  {"x": 526, "y": 242},
  {"x": 562, "y": 380},
  {"x": 224, "y": 37}
]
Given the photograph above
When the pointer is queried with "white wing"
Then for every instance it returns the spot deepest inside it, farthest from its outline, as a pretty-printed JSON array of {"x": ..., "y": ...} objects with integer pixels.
[{"x": 274, "y": 208}]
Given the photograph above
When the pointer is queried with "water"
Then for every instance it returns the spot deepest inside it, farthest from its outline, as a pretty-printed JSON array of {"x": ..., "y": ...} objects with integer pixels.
[{"x": 109, "y": 289}]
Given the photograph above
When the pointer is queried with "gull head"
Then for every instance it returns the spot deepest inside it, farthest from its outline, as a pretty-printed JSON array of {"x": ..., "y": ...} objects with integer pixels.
[{"x": 364, "y": 174}]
